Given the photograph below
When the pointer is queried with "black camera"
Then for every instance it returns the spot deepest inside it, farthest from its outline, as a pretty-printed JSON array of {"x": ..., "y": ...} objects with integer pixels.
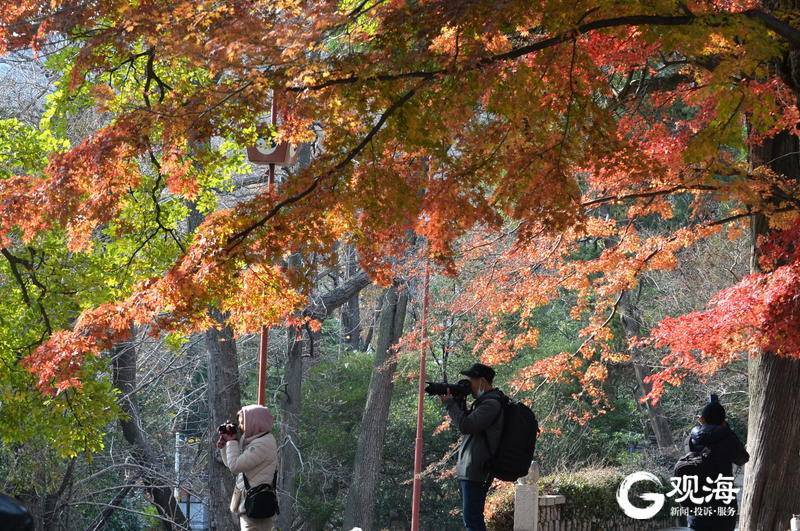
[
  {"x": 458, "y": 390},
  {"x": 228, "y": 428}
]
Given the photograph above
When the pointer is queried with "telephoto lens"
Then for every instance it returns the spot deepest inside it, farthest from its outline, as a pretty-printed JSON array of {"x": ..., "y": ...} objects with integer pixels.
[{"x": 458, "y": 390}]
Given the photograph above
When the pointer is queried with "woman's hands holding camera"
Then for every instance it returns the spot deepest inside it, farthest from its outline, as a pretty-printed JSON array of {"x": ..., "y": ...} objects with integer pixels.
[
  {"x": 224, "y": 438},
  {"x": 227, "y": 432}
]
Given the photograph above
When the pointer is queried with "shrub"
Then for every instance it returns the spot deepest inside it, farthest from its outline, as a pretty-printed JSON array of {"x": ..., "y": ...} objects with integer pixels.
[{"x": 590, "y": 495}]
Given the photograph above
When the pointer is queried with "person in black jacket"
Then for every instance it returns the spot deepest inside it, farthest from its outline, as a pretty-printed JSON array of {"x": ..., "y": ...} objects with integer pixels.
[
  {"x": 14, "y": 515},
  {"x": 726, "y": 449},
  {"x": 481, "y": 426}
]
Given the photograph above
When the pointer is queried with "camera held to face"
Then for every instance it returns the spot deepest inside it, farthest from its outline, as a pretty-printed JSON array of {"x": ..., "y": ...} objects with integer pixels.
[
  {"x": 458, "y": 390},
  {"x": 228, "y": 428}
]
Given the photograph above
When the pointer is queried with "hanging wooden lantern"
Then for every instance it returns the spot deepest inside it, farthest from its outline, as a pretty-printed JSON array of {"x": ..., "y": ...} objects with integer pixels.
[
  {"x": 270, "y": 152},
  {"x": 266, "y": 152}
]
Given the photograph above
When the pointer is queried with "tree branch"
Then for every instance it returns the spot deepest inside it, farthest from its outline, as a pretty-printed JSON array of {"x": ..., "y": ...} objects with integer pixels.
[
  {"x": 237, "y": 238},
  {"x": 790, "y": 34},
  {"x": 12, "y": 262},
  {"x": 649, "y": 193},
  {"x": 322, "y": 307}
]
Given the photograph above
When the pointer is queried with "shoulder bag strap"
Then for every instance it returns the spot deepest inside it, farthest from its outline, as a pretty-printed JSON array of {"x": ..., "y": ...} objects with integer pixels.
[
  {"x": 247, "y": 483},
  {"x": 274, "y": 479}
]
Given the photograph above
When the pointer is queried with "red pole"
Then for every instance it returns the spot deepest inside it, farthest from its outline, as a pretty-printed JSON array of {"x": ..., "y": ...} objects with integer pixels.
[
  {"x": 416, "y": 493},
  {"x": 263, "y": 346}
]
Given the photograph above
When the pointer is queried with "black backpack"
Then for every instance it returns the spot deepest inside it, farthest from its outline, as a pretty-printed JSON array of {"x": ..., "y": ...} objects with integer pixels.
[
  {"x": 13, "y": 515},
  {"x": 512, "y": 458},
  {"x": 695, "y": 463}
]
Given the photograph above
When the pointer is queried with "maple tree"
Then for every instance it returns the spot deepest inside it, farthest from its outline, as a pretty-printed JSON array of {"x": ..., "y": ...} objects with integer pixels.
[
  {"x": 574, "y": 120},
  {"x": 46, "y": 285},
  {"x": 31, "y": 310}
]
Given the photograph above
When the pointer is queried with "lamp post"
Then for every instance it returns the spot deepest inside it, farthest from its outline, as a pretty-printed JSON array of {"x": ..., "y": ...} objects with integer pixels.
[
  {"x": 272, "y": 155},
  {"x": 416, "y": 492}
]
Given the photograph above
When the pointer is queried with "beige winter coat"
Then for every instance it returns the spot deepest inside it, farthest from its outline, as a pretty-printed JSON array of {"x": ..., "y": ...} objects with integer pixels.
[{"x": 258, "y": 461}]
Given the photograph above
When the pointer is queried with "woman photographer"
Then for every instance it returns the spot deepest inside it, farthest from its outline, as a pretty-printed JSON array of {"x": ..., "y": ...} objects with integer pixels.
[{"x": 252, "y": 452}]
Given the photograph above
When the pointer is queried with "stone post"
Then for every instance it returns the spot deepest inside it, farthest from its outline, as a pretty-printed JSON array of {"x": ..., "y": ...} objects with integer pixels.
[{"x": 526, "y": 501}]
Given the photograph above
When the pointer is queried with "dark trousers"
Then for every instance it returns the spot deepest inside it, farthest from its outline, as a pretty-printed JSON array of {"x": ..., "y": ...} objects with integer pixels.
[
  {"x": 712, "y": 527},
  {"x": 473, "y": 498},
  {"x": 714, "y": 522},
  {"x": 722, "y": 525}
]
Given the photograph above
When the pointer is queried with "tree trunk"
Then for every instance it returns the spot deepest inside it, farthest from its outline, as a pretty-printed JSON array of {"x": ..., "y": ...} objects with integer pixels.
[
  {"x": 52, "y": 508},
  {"x": 143, "y": 453},
  {"x": 771, "y": 491},
  {"x": 223, "y": 396},
  {"x": 224, "y": 400},
  {"x": 631, "y": 323},
  {"x": 290, "y": 416},
  {"x": 360, "y": 504},
  {"x": 351, "y": 311},
  {"x": 102, "y": 519},
  {"x": 290, "y": 458},
  {"x": 376, "y": 315}
]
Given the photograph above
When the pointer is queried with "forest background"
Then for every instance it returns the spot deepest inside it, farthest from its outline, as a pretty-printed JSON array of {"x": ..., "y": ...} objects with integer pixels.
[{"x": 606, "y": 194}]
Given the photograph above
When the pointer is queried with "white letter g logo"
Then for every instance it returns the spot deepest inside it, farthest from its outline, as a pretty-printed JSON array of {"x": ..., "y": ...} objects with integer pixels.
[{"x": 635, "y": 512}]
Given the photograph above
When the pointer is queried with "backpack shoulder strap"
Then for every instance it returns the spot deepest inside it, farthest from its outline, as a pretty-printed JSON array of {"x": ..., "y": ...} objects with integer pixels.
[
  {"x": 246, "y": 483},
  {"x": 504, "y": 402}
]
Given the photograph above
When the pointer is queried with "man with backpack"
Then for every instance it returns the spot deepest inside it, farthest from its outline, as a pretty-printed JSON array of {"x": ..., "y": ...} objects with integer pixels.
[
  {"x": 481, "y": 425},
  {"x": 14, "y": 515},
  {"x": 713, "y": 449}
]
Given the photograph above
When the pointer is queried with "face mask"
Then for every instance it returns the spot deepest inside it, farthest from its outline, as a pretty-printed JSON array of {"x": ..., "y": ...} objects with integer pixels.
[{"x": 479, "y": 393}]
